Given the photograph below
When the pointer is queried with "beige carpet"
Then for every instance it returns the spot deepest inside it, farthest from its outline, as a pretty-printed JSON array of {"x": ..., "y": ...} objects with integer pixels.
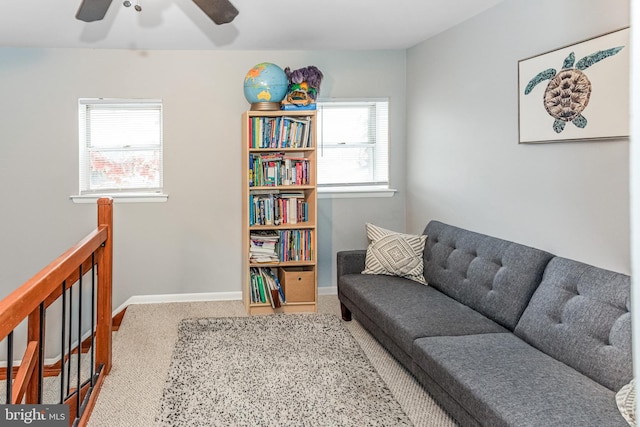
[{"x": 143, "y": 346}]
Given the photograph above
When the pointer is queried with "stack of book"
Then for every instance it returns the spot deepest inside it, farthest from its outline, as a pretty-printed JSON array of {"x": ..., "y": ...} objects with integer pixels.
[
  {"x": 280, "y": 132},
  {"x": 295, "y": 245},
  {"x": 275, "y": 169},
  {"x": 271, "y": 207},
  {"x": 263, "y": 246},
  {"x": 265, "y": 287}
]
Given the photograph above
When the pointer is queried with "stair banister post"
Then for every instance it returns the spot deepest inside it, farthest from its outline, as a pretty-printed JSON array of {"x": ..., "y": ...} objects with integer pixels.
[{"x": 105, "y": 274}]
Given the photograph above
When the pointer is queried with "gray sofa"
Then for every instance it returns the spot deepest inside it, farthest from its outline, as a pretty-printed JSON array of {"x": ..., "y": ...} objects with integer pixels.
[{"x": 504, "y": 334}]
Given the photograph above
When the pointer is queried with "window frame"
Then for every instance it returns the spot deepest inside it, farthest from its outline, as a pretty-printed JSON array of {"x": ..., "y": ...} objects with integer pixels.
[
  {"x": 372, "y": 188},
  {"x": 132, "y": 194}
]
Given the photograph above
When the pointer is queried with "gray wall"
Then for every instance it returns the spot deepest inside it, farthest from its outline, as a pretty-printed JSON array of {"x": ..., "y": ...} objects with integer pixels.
[
  {"x": 464, "y": 164},
  {"x": 191, "y": 244}
]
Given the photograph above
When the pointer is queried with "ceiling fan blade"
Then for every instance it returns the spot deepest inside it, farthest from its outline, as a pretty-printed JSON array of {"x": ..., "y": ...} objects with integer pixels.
[
  {"x": 220, "y": 11},
  {"x": 92, "y": 10}
]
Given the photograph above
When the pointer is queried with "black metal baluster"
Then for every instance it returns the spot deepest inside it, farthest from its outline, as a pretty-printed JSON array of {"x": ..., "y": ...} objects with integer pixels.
[
  {"x": 41, "y": 356},
  {"x": 79, "y": 341},
  {"x": 93, "y": 300},
  {"x": 70, "y": 335},
  {"x": 62, "y": 343},
  {"x": 9, "y": 366}
]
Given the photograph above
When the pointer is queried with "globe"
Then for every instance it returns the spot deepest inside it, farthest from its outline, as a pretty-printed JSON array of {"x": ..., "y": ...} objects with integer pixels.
[{"x": 265, "y": 82}]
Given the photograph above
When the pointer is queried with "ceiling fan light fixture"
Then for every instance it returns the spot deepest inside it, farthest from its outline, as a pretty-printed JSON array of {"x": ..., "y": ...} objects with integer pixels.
[
  {"x": 219, "y": 11},
  {"x": 92, "y": 10}
]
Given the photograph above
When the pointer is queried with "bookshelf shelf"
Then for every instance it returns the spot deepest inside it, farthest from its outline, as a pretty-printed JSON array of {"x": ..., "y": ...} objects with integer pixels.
[
  {"x": 275, "y": 150},
  {"x": 283, "y": 188},
  {"x": 299, "y": 225},
  {"x": 279, "y": 213},
  {"x": 282, "y": 264}
]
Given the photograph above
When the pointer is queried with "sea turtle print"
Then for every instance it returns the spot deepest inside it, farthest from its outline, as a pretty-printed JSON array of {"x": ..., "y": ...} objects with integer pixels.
[{"x": 568, "y": 91}]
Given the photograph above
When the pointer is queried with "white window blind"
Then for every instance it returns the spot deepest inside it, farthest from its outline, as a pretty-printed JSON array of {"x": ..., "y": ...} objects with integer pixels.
[
  {"x": 120, "y": 146},
  {"x": 353, "y": 148}
]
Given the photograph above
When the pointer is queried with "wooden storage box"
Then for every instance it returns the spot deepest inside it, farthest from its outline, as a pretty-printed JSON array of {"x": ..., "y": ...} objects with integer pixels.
[{"x": 297, "y": 284}]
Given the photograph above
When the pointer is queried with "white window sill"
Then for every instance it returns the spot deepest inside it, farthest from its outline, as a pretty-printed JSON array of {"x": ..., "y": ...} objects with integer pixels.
[
  {"x": 122, "y": 198},
  {"x": 354, "y": 192}
]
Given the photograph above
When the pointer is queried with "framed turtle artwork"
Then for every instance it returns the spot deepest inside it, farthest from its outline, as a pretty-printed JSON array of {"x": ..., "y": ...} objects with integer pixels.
[{"x": 576, "y": 93}]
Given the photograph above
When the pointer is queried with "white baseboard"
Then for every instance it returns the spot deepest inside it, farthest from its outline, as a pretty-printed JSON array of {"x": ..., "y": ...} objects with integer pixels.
[
  {"x": 327, "y": 290},
  {"x": 166, "y": 298},
  {"x": 195, "y": 297}
]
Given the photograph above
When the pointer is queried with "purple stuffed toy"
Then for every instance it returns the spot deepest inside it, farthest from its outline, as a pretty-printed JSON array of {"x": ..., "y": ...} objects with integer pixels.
[{"x": 304, "y": 85}]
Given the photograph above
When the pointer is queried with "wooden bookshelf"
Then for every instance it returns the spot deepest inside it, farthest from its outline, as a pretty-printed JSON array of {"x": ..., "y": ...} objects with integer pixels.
[{"x": 275, "y": 166}]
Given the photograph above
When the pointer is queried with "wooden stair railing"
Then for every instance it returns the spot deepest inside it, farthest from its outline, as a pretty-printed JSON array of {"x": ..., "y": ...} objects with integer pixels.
[{"x": 92, "y": 255}]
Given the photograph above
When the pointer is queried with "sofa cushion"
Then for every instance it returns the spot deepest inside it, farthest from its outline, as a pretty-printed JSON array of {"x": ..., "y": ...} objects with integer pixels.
[
  {"x": 503, "y": 381},
  {"x": 394, "y": 254},
  {"x": 406, "y": 310},
  {"x": 580, "y": 315},
  {"x": 494, "y": 277}
]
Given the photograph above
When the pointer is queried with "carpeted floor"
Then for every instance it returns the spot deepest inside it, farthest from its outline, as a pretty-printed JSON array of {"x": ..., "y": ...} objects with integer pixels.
[{"x": 143, "y": 347}]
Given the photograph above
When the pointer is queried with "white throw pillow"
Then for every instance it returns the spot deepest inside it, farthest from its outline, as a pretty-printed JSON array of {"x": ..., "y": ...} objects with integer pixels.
[
  {"x": 394, "y": 254},
  {"x": 626, "y": 400}
]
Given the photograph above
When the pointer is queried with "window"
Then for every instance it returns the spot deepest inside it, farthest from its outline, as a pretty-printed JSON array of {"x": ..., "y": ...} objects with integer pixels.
[
  {"x": 120, "y": 146},
  {"x": 353, "y": 143}
]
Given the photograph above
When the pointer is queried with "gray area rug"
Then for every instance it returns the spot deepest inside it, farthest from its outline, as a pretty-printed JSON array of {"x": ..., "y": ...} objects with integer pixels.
[{"x": 280, "y": 370}]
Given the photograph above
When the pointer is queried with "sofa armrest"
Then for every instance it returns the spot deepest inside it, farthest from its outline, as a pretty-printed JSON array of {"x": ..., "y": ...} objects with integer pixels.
[{"x": 350, "y": 262}]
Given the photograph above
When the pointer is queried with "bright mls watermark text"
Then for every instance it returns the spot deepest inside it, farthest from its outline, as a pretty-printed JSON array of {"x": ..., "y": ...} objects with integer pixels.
[{"x": 34, "y": 415}]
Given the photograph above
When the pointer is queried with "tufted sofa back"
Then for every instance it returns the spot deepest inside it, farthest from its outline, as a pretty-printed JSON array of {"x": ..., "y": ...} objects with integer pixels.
[
  {"x": 580, "y": 315},
  {"x": 494, "y": 277}
]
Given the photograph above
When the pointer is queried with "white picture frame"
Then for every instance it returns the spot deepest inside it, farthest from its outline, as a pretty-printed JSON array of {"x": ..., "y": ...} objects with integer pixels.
[{"x": 605, "y": 114}]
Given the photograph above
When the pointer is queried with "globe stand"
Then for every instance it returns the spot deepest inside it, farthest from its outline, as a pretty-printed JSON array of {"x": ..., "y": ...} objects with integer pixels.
[{"x": 265, "y": 106}]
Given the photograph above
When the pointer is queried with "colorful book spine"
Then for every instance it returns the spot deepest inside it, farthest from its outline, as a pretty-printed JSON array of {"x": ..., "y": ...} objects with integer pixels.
[
  {"x": 294, "y": 107},
  {"x": 263, "y": 280},
  {"x": 295, "y": 245},
  {"x": 280, "y": 132},
  {"x": 273, "y": 208}
]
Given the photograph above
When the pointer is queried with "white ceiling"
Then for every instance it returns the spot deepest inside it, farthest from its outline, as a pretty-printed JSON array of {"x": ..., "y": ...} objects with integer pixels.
[{"x": 261, "y": 24}]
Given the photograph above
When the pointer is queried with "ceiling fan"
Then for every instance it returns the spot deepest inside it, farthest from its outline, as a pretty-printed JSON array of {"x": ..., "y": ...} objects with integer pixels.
[{"x": 220, "y": 11}]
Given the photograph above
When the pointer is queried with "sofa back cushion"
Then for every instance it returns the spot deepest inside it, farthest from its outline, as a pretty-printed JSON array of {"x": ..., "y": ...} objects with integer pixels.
[
  {"x": 494, "y": 277},
  {"x": 580, "y": 315}
]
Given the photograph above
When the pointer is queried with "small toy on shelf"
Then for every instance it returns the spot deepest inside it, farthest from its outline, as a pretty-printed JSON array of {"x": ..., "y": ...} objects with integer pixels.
[{"x": 304, "y": 85}]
